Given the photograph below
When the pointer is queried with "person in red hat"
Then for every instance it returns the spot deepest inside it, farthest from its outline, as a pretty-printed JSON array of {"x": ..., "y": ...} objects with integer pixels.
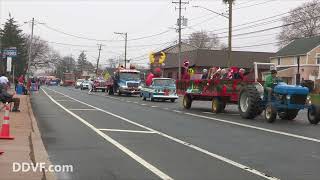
[{"x": 156, "y": 74}]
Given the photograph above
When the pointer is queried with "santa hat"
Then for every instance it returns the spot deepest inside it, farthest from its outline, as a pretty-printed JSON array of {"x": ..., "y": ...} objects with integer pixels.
[{"x": 157, "y": 70}]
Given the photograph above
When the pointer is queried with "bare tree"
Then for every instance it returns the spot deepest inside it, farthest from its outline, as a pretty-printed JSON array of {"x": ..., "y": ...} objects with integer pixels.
[
  {"x": 304, "y": 20},
  {"x": 40, "y": 54},
  {"x": 204, "y": 40}
]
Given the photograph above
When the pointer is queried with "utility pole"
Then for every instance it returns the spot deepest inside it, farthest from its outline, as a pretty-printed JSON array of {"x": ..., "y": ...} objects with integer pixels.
[
  {"x": 30, "y": 48},
  {"x": 230, "y": 33},
  {"x": 98, "y": 59},
  {"x": 125, "y": 49},
  {"x": 179, "y": 31}
]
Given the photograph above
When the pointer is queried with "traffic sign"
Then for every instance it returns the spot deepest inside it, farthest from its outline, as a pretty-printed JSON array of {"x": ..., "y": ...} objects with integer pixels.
[{"x": 11, "y": 52}]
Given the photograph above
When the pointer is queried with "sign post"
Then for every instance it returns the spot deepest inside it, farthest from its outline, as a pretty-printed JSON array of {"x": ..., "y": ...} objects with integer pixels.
[{"x": 9, "y": 63}]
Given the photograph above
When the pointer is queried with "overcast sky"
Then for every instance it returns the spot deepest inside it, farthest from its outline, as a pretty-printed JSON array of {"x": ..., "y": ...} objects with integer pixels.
[{"x": 99, "y": 19}]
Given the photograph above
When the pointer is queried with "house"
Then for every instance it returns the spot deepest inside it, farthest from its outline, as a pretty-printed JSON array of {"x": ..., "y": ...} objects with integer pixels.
[
  {"x": 306, "y": 52},
  {"x": 207, "y": 58}
]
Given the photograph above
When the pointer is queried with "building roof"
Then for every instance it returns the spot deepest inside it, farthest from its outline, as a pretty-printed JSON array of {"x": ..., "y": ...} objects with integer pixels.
[
  {"x": 175, "y": 49},
  {"x": 209, "y": 58},
  {"x": 299, "y": 46}
]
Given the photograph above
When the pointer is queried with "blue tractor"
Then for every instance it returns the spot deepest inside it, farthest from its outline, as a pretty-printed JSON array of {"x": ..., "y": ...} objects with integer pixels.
[{"x": 286, "y": 101}]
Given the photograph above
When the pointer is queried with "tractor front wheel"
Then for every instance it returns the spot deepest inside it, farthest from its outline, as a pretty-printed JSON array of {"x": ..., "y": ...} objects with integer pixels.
[
  {"x": 270, "y": 113},
  {"x": 314, "y": 115}
]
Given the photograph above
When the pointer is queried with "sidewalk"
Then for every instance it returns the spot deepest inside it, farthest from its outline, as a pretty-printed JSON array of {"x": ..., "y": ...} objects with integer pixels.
[{"x": 27, "y": 147}]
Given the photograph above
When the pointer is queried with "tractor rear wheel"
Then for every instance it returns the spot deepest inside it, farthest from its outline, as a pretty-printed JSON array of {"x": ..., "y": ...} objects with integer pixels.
[
  {"x": 314, "y": 115},
  {"x": 187, "y": 101},
  {"x": 289, "y": 114},
  {"x": 217, "y": 105},
  {"x": 249, "y": 103},
  {"x": 270, "y": 113}
]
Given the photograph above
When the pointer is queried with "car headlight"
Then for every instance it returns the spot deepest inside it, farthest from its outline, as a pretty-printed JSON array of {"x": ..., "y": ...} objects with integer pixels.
[
  {"x": 124, "y": 87},
  {"x": 140, "y": 87},
  {"x": 288, "y": 97}
]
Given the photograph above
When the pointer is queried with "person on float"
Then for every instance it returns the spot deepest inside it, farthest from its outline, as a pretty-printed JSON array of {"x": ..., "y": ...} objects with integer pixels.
[{"x": 204, "y": 74}]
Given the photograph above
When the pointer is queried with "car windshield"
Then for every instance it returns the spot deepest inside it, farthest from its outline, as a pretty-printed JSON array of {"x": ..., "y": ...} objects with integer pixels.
[
  {"x": 130, "y": 76},
  {"x": 85, "y": 82},
  {"x": 80, "y": 80},
  {"x": 163, "y": 82}
]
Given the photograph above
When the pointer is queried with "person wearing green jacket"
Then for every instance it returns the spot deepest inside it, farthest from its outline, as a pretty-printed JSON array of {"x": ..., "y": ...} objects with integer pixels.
[{"x": 270, "y": 80}]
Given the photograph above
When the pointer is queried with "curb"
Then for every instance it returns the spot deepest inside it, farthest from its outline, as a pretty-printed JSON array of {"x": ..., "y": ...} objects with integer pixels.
[{"x": 38, "y": 153}]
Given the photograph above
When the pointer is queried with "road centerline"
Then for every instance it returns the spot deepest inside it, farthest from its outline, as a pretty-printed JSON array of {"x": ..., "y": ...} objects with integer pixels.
[{"x": 125, "y": 130}]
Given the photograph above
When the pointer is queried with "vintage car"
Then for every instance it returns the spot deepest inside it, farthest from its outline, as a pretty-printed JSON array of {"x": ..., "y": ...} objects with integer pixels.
[{"x": 160, "y": 89}]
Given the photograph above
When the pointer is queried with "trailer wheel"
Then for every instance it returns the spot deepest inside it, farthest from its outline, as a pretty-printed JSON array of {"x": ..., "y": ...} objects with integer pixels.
[
  {"x": 187, "y": 101},
  {"x": 314, "y": 115},
  {"x": 249, "y": 103},
  {"x": 289, "y": 114},
  {"x": 270, "y": 113},
  {"x": 217, "y": 105}
]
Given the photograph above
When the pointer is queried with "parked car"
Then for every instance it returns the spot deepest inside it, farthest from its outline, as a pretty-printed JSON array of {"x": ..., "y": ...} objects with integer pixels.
[
  {"x": 78, "y": 83},
  {"x": 160, "y": 89},
  {"x": 84, "y": 85}
]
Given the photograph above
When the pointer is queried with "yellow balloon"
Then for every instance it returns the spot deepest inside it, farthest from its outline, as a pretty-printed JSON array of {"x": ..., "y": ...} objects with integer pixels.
[
  {"x": 162, "y": 58},
  {"x": 151, "y": 57}
]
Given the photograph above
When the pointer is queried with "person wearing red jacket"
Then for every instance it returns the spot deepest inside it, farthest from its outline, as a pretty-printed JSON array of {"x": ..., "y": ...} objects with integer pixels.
[{"x": 156, "y": 74}]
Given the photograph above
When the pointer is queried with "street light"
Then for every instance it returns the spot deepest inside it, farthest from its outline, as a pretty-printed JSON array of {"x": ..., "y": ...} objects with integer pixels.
[
  {"x": 125, "y": 47},
  {"x": 229, "y": 17}
]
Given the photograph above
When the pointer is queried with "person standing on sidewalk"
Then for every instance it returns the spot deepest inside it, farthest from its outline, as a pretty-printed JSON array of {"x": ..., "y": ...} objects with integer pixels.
[{"x": 90, "y": 86}]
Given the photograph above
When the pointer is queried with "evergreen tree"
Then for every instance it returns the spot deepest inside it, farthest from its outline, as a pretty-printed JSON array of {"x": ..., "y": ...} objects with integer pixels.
[{"x": 11, "y": 36}]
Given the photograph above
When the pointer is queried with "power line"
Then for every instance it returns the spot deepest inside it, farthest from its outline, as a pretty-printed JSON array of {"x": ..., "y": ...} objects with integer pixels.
[
  {"x": 102, "y": 40},
  {"x": 259, "y": 20}
]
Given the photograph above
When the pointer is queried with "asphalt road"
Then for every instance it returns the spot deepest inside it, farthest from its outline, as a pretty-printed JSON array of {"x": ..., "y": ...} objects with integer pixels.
[{"x": 118, "y": 137}]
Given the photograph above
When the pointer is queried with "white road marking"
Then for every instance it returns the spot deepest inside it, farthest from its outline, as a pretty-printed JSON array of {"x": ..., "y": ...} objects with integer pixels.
[
  {"x": 136, "y": 102},
  {"x": 82, "y": 109},
  {"x": 62, "y": 100},
  {"x": 166, "y": 108},
  {"x": 143, "y": 104},
  {"x": 129, "y": 101},
  {"x": 177, "y": 111},
  {"x": 221, "y": 113},
  {"x": 115, "y": 143},
  {"x": 154, "y": 106},
  {"x": 229, "y": 161},
  {"x": 124, "y": 130},
  {"x": 257, "y": 128}
]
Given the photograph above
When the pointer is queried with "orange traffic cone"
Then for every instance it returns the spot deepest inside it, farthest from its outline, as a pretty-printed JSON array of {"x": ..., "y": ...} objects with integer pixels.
[{"x": 5, "y": 129}]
